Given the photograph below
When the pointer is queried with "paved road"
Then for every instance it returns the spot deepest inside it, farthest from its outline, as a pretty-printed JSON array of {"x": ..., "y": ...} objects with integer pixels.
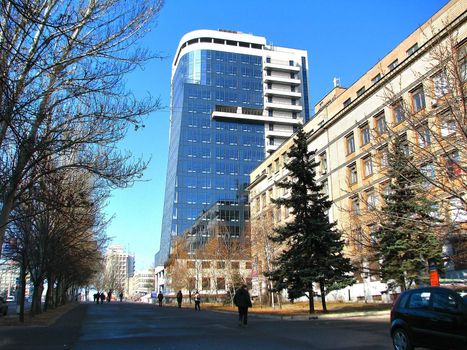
[{"x": 140, "y": 326}]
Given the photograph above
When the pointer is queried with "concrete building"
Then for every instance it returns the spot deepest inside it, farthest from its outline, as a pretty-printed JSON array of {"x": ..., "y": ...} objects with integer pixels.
[
  {"x": 120, "y": 267},
  {"x": 234, "y": 100},
  {"x": 346, "y": 130},
  {"x": 142, "y": 283}
]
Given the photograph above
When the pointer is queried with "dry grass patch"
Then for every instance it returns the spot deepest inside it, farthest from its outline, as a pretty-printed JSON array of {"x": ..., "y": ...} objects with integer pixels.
[{"x": 42, "y": 320}]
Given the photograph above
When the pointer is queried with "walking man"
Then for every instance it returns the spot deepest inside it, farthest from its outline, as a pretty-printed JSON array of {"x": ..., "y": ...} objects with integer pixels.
[
  {"x": 197, "y": 301},
  {"x": 243, "y": 301},
  {"x": 179, "y": 298},
  {"x": 160, "y": 297}
]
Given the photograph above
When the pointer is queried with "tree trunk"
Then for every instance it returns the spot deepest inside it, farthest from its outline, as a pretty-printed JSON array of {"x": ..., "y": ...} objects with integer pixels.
[
  {"x": 22, "y": 278},
  {"x": 311, "y": 301},
  {"x": 323, "y": 296}
]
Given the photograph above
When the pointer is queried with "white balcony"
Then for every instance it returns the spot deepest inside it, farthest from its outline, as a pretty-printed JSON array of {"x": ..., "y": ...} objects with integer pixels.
[
  {"x": 281, "y": 80},
  {"x": 278, "y": 133},
  {"x": 271, "y": 148},
  {"x": 280, "y": 66},
  {"x": 239, "y": 115},
  {"x": 283, "y": 93},
  {"x": 283, "y": 106}
]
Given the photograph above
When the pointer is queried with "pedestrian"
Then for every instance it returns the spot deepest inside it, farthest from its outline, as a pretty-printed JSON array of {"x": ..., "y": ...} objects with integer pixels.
[
  {"x": 102, "y": 297},
  {"x": 121, "y": 296},
  {"x": 160, "y": 297},
  {"x": 179, "y": 298},
  {"x": 109, "y": 296},
  {"x": 197, "y": 301},
  {"x": 96, "y": 297},
  {"x": 243, "y": 302}
]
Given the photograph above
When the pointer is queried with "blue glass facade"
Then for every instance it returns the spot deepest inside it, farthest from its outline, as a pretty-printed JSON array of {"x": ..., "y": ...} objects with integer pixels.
[{"x": 209, "y": 160}]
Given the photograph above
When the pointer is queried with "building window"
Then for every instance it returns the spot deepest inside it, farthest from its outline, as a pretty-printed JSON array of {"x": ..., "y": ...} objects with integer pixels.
[
  {"x": 220, "y": 283},
  {"x": 352, "y": 171},
  {"x": 384, "y": 156},
  {"x": 418, "y": 99},
  {"x": 205, "y": 283},
  {"x": 448, "y": 126},
  {"x": 368, "y": 166},
  {"x": 457, "y": 210},
  {"x": 291, "y": 63},
  {"x": 453, "y": 167},
  {"x": 190, "y": 264},
  {"x": 440, "y": 84},
  {"x": 268, "y": 72},
  {"x": 270, "y": 99},
  {"x": 398, "y": 111},
  {"x": 462, "y": 54},
  {"x": 294, "y": 115},
  {"x": 360, "y": 91},
  {"x": 268, "y": 59},
  {"x": 393, "y": 65},
  {"x": 248, "y": 265},
  {"x": 323, "y": 163},
  {"x": 269, "y": 86},
  {"x": 292, "y": 75},
  {"x": 355, "y": 205},
  {"x": 412, "y": 49},
  {"x": 428, "y": 172},
  {"x": 221, "y": 264},
  {"x": 380, "y": 122},
  {"x": 271, "y": 141},
  {"x": 271, "y": 127},
  {"x": 270, "y": 113},
  {"x": 235, "y": 265},
  {"x": 365, "y": 134},
  {"x": 423, "y": 135},
  {"x": 350, "y": 144},
  {"x": 206, "y": 264},
  {"x": 347, "y": 102},
  {"x": 371, "y": 200},
  {"x": 376, "y": 78}
]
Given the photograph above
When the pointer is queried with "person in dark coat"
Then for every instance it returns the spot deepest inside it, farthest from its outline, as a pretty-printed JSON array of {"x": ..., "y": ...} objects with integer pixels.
[
  {"x": 160, "y": 297},
  {"x": 197, "y": 301},
  {"x": 179, "y": 298},
  {"x": 102, "y": 297},
  {"x": 243, "y": 301}
]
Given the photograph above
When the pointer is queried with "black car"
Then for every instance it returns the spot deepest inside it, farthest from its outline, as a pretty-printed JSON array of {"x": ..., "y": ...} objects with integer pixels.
[
  {"x": 431, "y": 317},
  {"x": 3, "y": 307}
]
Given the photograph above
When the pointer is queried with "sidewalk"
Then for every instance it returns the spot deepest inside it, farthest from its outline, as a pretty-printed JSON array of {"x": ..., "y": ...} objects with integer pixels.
[{"x": 44, "y": 319}]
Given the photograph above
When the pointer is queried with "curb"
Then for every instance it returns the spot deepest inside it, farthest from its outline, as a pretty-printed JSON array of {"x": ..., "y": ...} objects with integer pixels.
[{"x": 330, "y": 316}]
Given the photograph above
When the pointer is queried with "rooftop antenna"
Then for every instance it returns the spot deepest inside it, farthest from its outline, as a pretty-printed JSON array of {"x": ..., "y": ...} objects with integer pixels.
[{"x": 336, "y": 81}]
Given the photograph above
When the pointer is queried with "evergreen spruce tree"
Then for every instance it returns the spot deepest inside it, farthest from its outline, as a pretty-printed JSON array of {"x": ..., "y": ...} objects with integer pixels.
[
  {"x": 407, "y": 239},
  {"x": 312, "y": 245}
]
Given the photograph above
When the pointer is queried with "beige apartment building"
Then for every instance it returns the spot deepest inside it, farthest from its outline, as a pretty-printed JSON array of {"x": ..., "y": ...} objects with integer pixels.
[{"x": 348, "y": 133}]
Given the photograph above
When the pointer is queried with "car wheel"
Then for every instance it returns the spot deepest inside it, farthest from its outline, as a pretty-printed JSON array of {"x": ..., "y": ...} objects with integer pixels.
[{"x": 401, "y": 340}]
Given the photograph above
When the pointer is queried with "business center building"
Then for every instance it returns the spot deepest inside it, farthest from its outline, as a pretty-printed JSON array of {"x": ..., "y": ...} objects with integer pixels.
[{"x": 234, "y": 100}]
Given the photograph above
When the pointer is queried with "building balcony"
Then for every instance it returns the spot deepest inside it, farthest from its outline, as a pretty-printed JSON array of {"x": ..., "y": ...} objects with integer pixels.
[
  {"x": 283, "y": 106},
  {"x": 278, "y": 133},
  {"x": 271, "y": 148},
  {"x": 229, "y": 113},
  {"x": 282, "y": 80},
  {"x": 282, "y": 66},
  {"x": 283, "y": 93}
]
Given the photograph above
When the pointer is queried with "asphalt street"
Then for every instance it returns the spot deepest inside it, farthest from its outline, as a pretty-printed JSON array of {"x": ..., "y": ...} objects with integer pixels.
[{"x": 141, "y": 326}]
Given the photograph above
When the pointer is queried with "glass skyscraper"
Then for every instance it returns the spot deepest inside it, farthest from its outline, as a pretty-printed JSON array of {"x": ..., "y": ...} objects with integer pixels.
[{"x": 234, "y": 99}]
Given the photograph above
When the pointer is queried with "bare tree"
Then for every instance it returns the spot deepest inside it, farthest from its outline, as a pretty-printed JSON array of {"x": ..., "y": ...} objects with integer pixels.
[
  {"x": 62, "y": 94},
  {"x": 263, "y": 250}
]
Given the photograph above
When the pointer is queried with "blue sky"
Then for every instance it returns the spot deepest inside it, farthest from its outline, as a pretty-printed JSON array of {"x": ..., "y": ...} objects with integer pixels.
[{"x": 343, "y": 39}]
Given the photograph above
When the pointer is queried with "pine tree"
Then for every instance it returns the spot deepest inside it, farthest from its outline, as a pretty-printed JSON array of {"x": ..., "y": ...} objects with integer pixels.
[
  {"x": 407, "y": 239},
  {"x": 313, "y": 245}
]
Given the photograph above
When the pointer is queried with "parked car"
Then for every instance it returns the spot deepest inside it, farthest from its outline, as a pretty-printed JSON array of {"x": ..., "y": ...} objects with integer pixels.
[
  {"x": 3, "y": 307},
  {"x": 432, "y": 317}
]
